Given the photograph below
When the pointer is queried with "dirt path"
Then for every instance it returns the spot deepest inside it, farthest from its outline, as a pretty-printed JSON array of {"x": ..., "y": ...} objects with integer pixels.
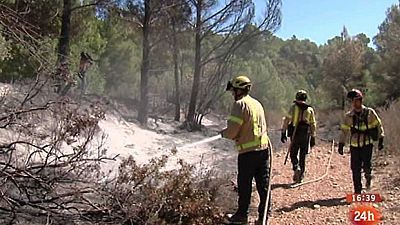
[{"x": 324, "y": 202}]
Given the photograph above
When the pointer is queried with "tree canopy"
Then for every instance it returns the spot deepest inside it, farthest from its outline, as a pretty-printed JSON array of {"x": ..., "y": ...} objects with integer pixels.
[{"x": 191, "y": 59}]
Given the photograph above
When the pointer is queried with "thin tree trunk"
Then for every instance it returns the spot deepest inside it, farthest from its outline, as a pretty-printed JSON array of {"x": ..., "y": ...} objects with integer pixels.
[
  {"x": 176, "y": 75},
  {"x": 63, "y": 45},
  {"x": 344, "y": 93},
  {"x": 144, "y": 76},
  {"x": 63, "y": 48},
  {"x": 182, "y": 62},
  {"x": 197, "y": 66}
]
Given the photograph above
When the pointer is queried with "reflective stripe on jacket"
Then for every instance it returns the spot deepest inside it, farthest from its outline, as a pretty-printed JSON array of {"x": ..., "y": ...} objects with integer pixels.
[
  {"x": 359, "y": 137},
  {"x": 294, "y": 117},
  {"x": 247, "y": 125}
]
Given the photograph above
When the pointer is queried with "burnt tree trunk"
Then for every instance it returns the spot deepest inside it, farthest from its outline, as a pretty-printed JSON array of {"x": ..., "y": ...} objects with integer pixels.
[
  {"x": 144, "y": 76},
  {"x": 63, "y": 44},
  {"x": 197, "y": 65},
  {"x": 62, "y": 75}
]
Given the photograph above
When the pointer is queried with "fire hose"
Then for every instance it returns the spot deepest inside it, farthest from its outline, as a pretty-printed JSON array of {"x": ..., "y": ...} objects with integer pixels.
[
  {"x": 269, "y": 189},
  {"x": 326, "y": 170}
]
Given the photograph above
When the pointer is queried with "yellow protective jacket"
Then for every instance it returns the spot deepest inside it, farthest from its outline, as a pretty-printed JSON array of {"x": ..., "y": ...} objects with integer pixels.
[
  {"x": 294, "y": 115},
  {"x": 353, "y": 127},
  {"x": 247, "y": 125}
]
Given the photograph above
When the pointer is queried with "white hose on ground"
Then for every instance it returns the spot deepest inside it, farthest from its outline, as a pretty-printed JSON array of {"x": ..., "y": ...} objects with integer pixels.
[{"x": 326, "y": 170}]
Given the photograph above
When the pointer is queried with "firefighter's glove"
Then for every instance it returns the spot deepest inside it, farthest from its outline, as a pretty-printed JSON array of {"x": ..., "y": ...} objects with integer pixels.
[
  {"x": 283, "y": 136},
  {"x": 312, "y": 142},
  {"x": 380, "y": 144},
  {"x": 340, "y": 149}
]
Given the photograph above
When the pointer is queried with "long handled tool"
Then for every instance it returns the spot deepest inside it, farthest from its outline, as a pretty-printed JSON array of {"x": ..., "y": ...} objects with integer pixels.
[
  {"x": 290, "y": 145},
  {"x": 326, "y": 170}
]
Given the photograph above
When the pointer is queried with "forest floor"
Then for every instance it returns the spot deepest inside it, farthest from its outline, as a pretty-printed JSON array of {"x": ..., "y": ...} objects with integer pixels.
[{"x": 322, "y": 202}]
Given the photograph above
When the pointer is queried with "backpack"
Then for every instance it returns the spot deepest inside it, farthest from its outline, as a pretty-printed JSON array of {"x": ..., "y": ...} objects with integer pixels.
[
  {"x": 370, "y": 133},
  {"x": 303, "y": 127}
]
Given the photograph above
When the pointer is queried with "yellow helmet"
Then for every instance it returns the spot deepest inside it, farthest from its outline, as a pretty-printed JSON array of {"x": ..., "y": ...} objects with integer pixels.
[
  {"x": 239, "y": 82},
  {"x": 301, "y": 95}
]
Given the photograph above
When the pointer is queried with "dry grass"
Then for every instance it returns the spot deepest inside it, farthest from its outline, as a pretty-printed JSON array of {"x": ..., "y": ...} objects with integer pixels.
[{"x": 391, "y": 123}]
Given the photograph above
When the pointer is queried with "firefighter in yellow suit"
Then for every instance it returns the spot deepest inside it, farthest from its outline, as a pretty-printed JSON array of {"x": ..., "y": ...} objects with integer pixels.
[
  {"x": 247, "y": 126},
  {"x": 362, "y": 126},
  {"x": 300, "y": 126}
]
